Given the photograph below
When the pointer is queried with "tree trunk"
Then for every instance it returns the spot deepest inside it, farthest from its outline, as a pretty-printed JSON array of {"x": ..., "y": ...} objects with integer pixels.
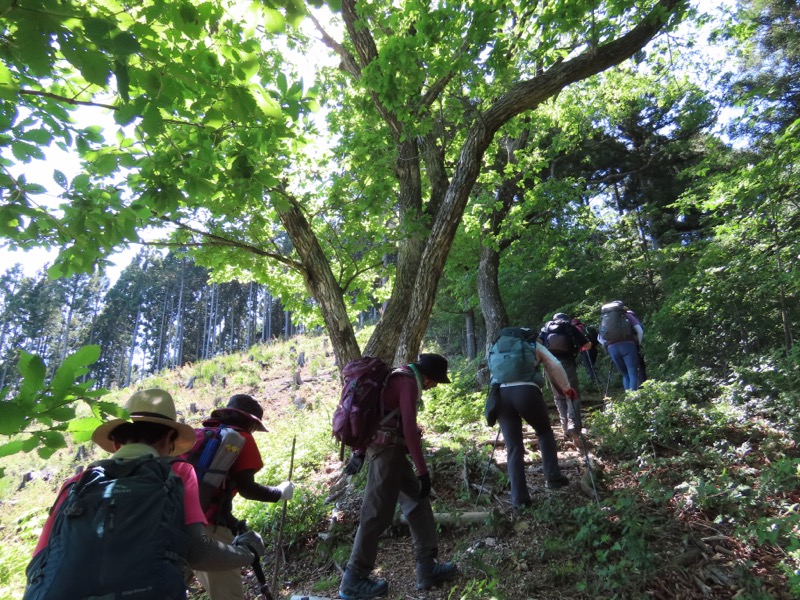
[
  {"x": 321, "y": 284},
  {"x": 492, "y": 307},
  {"x": 469, "y": 318}
]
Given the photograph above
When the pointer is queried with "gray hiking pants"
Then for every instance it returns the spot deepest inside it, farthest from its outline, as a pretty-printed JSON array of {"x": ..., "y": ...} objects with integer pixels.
[
  {"x": 391, "y": 478},
  {"x": 518, "y": 402},
  {"x": 568, "y": 412}
]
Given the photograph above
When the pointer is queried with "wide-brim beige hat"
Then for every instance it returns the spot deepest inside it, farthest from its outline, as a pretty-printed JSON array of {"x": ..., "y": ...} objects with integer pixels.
[{"x": 150, "y": 406}]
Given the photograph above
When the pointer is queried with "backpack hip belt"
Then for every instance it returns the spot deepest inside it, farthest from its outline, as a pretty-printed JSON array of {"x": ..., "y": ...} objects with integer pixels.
[
  {"x": 516, "y": 383},
  {"x": 387, "y": 438}
]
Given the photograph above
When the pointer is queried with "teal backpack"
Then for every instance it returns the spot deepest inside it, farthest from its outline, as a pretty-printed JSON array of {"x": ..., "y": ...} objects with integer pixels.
[{"x": 512, "y": 357}]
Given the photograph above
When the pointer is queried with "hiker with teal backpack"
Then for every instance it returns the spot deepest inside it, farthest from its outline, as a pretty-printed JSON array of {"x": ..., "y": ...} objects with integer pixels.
[
  {"x": 129, "y": 526},
  {"x": 391, "y": 479},
  {"x": 514, "y": 360},
  {"x": 244, "y": 415},
  {"x": 621, "y": 334},
  {"x": 565, "y": 342}
]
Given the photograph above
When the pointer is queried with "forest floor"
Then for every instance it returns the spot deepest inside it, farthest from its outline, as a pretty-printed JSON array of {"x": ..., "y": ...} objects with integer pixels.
[
  {"x": 559, "y": 548},
  {"x": 531, "y": 555}
]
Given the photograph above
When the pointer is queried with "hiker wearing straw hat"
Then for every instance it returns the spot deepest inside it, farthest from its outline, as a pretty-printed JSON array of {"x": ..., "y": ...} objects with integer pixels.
[
  {"x": 244, "y": 414},
  {"x": 133, "y": 521}
]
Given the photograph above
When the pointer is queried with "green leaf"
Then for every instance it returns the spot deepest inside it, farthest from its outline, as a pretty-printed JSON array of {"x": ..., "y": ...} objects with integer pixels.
[
  {"x": 105, "y": 165},
  {"x": 10, "y": 448},
  {"x": 123, "y": 80},
  {"x": 98, "y": 30},
  {"x": 46, "y": 452},
  {"x": 60, "y": 179},
  {"x": 124, "y": 44},
  {"x": 24, "y": 152},
  {"x": 37, "y": 136},
  {"x": 214, "y": 118},
  {"x": 274, "y": 21},
  {"x": 101, "y": 409},
  {"x": 126, "y": 114},
  {"x": 83, "y": 356},
  {"x": 8, "y": 85},
  {"x": 152, "y": 123},
  {"x": 33, "y": 371},
  {"x": 82, "y": 429},
  {"x": 13, "y": 418},
  {"x": 81, "y": 182},
  {"x": 62, "y": 382},
  {"x": 62, "y": 413}
]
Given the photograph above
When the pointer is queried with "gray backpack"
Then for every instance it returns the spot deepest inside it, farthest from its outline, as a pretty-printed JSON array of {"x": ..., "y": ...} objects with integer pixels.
[{"x": 614, "y": 323}]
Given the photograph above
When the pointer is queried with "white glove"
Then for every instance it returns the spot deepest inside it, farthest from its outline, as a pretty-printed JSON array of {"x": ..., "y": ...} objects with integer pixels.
[{"x": 287, "y": 490}]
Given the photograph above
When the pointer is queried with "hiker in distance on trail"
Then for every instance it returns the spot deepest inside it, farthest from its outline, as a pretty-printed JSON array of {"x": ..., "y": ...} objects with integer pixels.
[
  {"x": 621, "y": 334},
  {"x": 565, "y": 342},
  {"x": 391, "y": 478},
  {"x": 243, "y": 414},
  {"x": 516, "y": 394},
  {"x": 589, "y": 356},
  {"x": 127, "y": 526}
]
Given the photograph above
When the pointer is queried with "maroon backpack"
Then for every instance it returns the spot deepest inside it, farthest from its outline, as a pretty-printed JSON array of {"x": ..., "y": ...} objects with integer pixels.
[{"x": 360, "y": 409}]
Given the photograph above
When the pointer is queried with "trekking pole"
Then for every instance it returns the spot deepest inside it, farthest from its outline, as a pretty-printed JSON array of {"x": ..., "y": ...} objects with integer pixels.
[
  {"x": 279, "y": 542},
  {"x": 489, "y": 462},
  {"x": 257, "y": 568},
  {"x": 586, "y": 456},
  {"x": 608, "y": 384},
  {"x": 592, "y": 370}
]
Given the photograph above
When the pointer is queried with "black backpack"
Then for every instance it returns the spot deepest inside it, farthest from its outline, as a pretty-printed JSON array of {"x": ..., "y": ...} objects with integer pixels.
[
  {"x": 118, "y": 535},
  {"x": 614, "y": 323},
  {"x": 558, "y": 338}
]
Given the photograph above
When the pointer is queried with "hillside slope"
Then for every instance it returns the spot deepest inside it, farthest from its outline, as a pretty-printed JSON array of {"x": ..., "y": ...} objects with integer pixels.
[{"x": 567, "y": 545}]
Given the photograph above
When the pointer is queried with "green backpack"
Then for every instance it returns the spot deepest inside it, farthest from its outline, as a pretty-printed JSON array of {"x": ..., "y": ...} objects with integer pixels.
[
  {"x": 118, "y": 535},
  {"x": 512, "y": 357}
]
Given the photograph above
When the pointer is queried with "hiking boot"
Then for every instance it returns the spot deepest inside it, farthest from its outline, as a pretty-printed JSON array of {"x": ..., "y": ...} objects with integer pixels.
[
  {"x": 522, "y": 506},
  {"x": 574, "y": 434},
  {"x": 355, "y": 587},
  {"x": 431, "y": 573},
  {"x": 556, "y": 483}
]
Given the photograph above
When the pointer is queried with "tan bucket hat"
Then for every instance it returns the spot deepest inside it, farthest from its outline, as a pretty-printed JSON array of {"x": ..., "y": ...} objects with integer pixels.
[{"x": 150, "y": 406}]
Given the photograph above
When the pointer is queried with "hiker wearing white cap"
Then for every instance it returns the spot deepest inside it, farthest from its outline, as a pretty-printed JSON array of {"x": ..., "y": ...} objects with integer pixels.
[{"x": 130, "y": 525}]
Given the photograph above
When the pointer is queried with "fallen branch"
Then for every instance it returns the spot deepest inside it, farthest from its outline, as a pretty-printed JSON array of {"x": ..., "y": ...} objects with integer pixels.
[{"x": 464, "y": 518}]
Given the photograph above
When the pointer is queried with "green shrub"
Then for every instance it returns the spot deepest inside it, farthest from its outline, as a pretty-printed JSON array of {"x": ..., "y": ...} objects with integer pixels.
[
  {"x": 668, "y": 414},
  {"x": 618, "y": 545}
]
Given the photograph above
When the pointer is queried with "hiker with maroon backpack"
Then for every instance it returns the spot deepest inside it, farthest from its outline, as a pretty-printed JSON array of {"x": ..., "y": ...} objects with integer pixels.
[
  {"x": 128, "y": 526},
  {"x": 242, "y": 413},
  {"x": 391, "y": 479},
  {"x": 621, "y": 334},
  {"x": 565, "y": 341}
]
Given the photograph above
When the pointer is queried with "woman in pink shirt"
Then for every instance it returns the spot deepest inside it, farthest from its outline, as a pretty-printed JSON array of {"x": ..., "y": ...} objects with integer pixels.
[{"x": 153, "y": 430}]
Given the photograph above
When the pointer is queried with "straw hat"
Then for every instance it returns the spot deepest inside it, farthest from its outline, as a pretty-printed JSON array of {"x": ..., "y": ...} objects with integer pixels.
[{"x": 148, "y": 406}]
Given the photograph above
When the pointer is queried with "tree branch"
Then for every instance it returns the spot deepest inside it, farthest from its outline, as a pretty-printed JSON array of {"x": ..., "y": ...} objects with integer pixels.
[{"x": 219, "y": 241}]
